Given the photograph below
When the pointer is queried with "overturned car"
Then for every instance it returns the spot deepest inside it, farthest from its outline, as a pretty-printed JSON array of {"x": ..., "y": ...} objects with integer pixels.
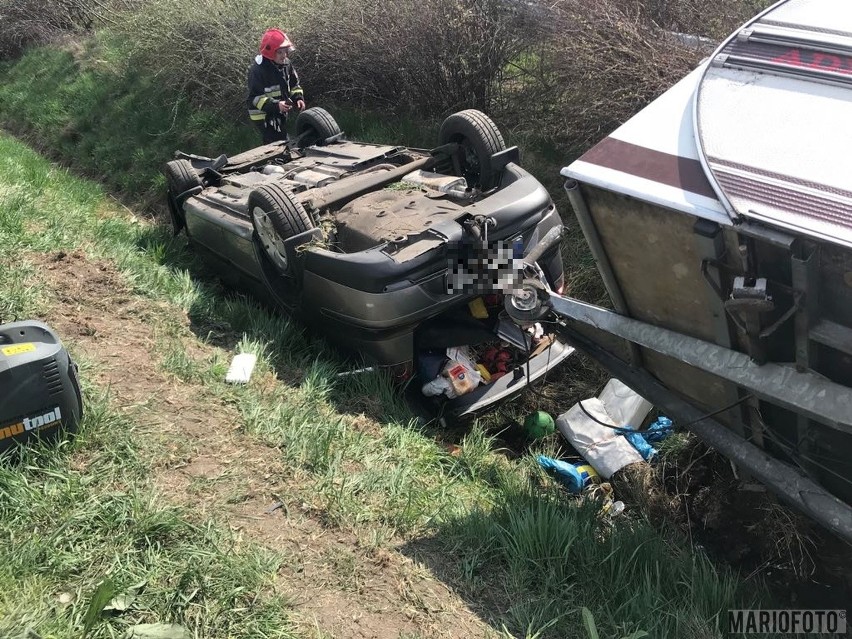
[{"x": 397, "y": 253}]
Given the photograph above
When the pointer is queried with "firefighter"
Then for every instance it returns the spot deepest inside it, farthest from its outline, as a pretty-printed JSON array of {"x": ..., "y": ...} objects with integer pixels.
[{"x": 273, "y": 86}]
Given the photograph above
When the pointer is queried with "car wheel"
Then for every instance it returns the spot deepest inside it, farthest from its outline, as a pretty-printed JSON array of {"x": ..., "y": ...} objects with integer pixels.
[
  {"x": 277, "y": 216},
  {"x": 317, "y": 125},
  {"x": 180, "y": 178},
  {"x": 478, "y": 139}
]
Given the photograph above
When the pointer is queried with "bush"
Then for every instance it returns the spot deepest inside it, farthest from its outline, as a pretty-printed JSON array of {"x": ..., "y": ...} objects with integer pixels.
[
  {"x": 565, "y": 71},
  {"x": 200, "y": 49},
  {"x": 594, "y": 63},
  {"x": 713, "y": 20},
  {"x": 597, "y": 62},
  {"x": 33, "y": 22},
  {"x": 429, "y": 57}
]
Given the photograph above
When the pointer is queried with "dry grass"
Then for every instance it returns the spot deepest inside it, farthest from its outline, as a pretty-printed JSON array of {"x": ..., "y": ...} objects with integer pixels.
[
  {"x": 201, "y": 49},
  {"x": 26, "y": 23}
]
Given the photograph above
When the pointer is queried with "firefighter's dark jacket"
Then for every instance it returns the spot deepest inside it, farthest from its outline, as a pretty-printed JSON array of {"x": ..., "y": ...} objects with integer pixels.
[{"x": 268, "y": 84}]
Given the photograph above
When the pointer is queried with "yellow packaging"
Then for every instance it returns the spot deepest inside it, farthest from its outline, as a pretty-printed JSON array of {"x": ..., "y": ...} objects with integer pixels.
[
  {"x": 486, "y": 376},
  {"x": 477, "y": 308}
]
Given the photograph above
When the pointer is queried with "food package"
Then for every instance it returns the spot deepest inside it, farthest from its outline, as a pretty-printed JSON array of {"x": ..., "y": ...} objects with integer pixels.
[{"x": 461, "y": 370}]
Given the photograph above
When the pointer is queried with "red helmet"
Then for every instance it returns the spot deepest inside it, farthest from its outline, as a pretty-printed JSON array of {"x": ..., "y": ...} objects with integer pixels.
[{"x": 273, "y": 40}]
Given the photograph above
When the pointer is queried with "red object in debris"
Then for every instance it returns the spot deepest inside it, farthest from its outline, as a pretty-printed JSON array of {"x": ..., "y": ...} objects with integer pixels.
[{"x": 497, "y": 361}]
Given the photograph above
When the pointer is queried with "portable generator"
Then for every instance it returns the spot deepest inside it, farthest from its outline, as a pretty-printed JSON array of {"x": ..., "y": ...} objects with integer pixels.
[{"x": 39, "y": 389}]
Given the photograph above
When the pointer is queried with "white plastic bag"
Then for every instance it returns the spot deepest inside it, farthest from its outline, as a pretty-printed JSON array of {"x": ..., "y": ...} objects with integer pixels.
[
  {"x": 604, "y": 448},
  {"x": 623, "y": 405},
  {"x": 438, "y": 386}
]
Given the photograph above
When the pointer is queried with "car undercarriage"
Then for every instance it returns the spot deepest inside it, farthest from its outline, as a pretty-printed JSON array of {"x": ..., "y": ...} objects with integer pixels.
[{"x": 381, "y": 248}]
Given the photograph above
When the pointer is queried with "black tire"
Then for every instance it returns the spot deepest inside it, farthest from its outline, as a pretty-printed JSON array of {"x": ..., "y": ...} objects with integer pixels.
[
  {"x": 277, "y": 216},
  {"x": 316, "y": 124},
  {"x": 180, "y": 178},
  {"x": 478, "y": 139}
]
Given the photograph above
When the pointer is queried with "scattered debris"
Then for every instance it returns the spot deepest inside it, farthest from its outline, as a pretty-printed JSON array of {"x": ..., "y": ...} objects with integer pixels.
[
  {"x": 458, "y": 370},
  {"x": 539, "y": 424},
  {"x": 574, "y": 476},
  {"x": 357, "y": 371},
  {"x": 656, "y": 432},
  {"x": 613, "y": 508},
  {"x": 124, "y": 601},
  {"x": 157, "y": 631},
  {"x": 274, "y": 507},
  {"x": 241, "y": 368},
  {"x": 459, "y": 375},
  {"x": 594, "y": 427}
]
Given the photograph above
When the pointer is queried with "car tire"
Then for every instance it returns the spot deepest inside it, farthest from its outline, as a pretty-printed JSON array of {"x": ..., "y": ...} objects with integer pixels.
[
  {"x": 317, "y": 125},
  {"x": 478, "y": 139},
  {"x": 181, "y": 177},
  {"x": 277, "y": 216}
]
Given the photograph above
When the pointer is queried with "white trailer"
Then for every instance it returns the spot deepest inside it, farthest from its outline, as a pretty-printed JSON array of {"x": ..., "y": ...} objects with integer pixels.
[{"x": 720, "y": 218}]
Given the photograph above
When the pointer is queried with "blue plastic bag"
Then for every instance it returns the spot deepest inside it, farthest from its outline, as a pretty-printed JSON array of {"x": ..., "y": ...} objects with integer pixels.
[
  {"x": 659, "y": 430},
  {"x": 656, "y": 432}
]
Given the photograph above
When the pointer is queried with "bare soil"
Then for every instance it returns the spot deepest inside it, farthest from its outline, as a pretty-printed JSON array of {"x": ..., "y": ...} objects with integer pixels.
[{"x": 340, "y": 585}]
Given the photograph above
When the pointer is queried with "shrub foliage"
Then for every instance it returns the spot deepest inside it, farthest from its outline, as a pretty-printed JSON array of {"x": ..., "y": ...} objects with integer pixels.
[
  {"x": 432, "y": 57},
  {"x": 30, "y": 22},
  {"x": 563, "y": 70}
]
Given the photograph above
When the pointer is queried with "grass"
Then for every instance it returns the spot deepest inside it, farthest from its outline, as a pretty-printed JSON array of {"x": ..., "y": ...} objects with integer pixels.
[
  {"x": 80, "y": 514},
  {"x": 525, "y": 554},
  {"x": 542, "y": 550},
  {"x": 107, "y": 120}
]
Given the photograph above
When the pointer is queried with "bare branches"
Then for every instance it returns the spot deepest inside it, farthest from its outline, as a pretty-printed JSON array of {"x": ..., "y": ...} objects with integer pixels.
[
  {"x": 429, "y": 57},
  {"x": 566, "y": 71}
]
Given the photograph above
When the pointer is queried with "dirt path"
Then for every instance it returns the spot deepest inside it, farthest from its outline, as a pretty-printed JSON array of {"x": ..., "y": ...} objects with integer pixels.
[{"x": 340, "y": 586}]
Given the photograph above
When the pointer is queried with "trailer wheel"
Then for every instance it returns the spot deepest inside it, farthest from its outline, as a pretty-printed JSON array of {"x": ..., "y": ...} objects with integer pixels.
[
  {"x": 316, "y": 124},
  {"x": 478, "y": 139},
  {"x": 180, "y": 179},
  {"x": 277, "y": 216}
]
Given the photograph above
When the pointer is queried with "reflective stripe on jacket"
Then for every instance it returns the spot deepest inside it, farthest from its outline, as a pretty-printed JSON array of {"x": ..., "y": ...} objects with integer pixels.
[{"x": 268, "y": 84}]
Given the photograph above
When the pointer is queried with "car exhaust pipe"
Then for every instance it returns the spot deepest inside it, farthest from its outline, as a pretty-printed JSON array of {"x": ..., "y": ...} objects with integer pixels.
[{"x": 336, "y": 194}]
